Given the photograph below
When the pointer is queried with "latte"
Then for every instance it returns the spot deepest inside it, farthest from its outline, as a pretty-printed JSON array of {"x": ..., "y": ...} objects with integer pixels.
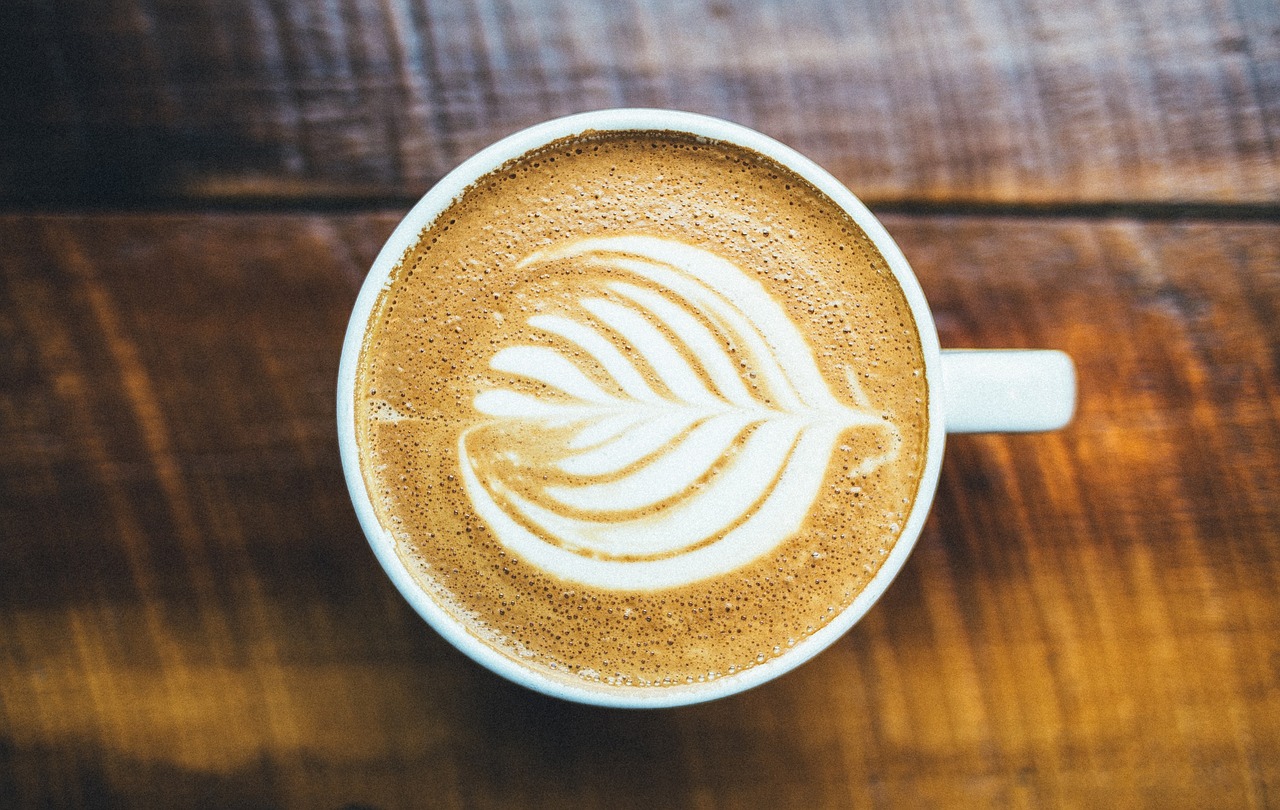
[{"x": 642, "y": 409}]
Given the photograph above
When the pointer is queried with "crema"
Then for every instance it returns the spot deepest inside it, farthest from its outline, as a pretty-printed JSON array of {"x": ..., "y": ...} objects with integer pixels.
[{"x": 642, "y": 409}]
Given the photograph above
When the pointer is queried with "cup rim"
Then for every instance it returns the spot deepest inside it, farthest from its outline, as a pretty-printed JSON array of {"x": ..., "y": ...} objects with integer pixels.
[{"x": 431, "y": 205}]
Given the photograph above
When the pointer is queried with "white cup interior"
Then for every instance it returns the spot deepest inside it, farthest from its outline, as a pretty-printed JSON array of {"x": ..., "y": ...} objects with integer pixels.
[{"x": 404, "y": 237}]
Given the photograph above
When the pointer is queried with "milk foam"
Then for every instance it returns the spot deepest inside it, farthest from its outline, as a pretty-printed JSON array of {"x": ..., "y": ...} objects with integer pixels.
[
  {"x": 695, "y": 448},
  {"x": 582, "y": 372}
]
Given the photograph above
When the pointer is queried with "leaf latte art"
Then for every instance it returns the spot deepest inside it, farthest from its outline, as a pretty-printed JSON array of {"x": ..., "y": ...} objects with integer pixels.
[{"x": 668, "y": 426}]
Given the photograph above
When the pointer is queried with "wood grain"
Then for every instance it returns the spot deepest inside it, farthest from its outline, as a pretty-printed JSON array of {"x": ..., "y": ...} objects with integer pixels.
[
  {"x": 1019, "y": 102},
  {"x": 190, "y": 615}
]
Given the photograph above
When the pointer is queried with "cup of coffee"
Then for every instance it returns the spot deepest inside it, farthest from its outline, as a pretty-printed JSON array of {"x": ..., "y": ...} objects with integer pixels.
[{"x": 642, "y": 408}]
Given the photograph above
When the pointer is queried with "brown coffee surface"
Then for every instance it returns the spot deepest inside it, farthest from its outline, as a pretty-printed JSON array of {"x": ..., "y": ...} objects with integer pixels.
[{"x": 455, "y": 476}]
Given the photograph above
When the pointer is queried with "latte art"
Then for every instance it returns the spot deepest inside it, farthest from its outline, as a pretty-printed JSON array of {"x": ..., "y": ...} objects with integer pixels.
[
  {"x": 636, "y": 486},
  {"x": 641, "y": 409}
]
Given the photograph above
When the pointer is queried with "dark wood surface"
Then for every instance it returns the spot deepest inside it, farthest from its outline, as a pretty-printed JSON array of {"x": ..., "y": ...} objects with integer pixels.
[
  {"x": 189, "y": 613},
  {"x": 1004, "y": 101}
]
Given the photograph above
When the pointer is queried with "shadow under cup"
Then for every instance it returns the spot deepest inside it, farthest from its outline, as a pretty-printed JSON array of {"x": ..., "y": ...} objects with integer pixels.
[{"x": 723, "y": 299}]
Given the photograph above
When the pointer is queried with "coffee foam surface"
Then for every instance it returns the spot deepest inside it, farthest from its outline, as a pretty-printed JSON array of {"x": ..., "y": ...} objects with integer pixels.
[{"x": 642, "y": 410}]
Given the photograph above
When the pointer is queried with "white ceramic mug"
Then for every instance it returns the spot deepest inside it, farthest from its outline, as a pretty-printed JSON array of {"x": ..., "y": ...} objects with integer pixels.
[{"x": 981, "y": 391}]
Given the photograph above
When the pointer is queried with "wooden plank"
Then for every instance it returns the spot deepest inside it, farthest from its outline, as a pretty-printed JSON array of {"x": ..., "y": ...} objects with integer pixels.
[
  {"x": 1026, "y": 102},
  {"x": 189, "y": 613}
]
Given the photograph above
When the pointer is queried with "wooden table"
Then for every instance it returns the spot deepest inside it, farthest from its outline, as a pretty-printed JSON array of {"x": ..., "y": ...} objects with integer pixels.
[{"x": 190, "y": 616}]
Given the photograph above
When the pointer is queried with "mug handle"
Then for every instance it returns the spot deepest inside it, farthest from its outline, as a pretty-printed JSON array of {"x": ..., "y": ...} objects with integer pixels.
[{"x": 1007, "y": 390}]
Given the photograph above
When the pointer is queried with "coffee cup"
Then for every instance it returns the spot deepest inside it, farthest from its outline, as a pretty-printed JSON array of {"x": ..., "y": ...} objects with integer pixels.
[{"x": 642, "y": 408}]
